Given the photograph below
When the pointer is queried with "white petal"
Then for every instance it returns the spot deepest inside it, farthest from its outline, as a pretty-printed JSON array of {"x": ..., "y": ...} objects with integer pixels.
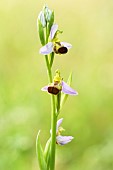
[
  {"x": 45, "y": 88},
  {"x": 58, "y": 124},
  {"x": 47, "y": 49},
  {"x": 54, "y": 28},
  {"x": 65, "y": 44},
  {"x": 62, "y": 140},
  {"x": 67, "y": 89}
]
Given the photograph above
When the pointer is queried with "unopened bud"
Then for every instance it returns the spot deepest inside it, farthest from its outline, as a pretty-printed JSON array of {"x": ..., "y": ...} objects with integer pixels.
[
  {"x": 47, "y": 13},
  {"x": 42, "y": 19}
]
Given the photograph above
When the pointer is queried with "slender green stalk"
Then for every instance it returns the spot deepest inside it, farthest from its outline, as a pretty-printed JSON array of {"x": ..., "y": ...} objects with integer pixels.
[
  {"x": 48, "y": 69},
  {"x": 51, "y": 59},
  {"x": 53, "y": 120},
  {"x": 53, "y": 109},
  {"x": 58, "y": 103},
  {"x": 53, "y": 135}
]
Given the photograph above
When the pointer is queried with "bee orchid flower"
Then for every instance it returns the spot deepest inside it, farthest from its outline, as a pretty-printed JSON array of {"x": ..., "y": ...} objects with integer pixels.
[
  {"x": 55, "y": 45},
  {"x": 59, "y": 85},
  {"x": 61, "y": 140}
]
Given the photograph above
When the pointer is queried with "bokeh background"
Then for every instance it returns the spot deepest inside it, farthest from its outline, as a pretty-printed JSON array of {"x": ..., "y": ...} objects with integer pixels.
[{"x": 24, "y": 108}]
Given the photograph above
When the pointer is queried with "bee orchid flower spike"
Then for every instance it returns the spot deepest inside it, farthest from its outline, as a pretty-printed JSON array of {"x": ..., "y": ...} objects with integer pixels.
[{"x": 58, "y": 89}]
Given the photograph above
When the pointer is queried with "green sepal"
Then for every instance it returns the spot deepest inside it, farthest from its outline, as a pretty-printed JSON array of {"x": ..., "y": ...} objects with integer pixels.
[
  {"x": 41, "y": 32},
  {"x": 50, "y": 24},
  {"x": 47, "y": 152},
  {"x": 65, "y": 96},
  {"x": 40, "y": 154}
]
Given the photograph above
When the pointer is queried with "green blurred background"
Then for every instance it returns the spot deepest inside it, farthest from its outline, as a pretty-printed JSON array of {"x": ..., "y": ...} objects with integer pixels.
[{"x": 24, "y": 108}]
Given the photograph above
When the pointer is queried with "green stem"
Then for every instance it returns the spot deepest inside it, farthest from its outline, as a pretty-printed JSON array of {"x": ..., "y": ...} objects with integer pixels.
[
  {"x": 48, "y": 69},
  {"x": 53, "y": 109},
  {"x": 53, "y": 120},
  {"x": 51, "y": 59},
  {"x": 58, "y": 103},
  {"x": 53, "y": 135}
]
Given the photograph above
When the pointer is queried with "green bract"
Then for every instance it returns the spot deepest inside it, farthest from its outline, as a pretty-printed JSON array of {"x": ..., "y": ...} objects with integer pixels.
[
  {"x": 51, "y": 21},
  {"x": 65, "y": 96},
  {"x": 47, "y": 152},
  {"x": 40, "y": 154},
  {"x": 41, "y": 32},
  {"x": 43, "y": 156}
]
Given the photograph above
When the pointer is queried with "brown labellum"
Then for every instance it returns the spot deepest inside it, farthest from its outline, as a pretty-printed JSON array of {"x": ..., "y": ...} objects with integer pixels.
[
  {"x": 53, "y": 90},
  {"x": 62, "y": 50}
]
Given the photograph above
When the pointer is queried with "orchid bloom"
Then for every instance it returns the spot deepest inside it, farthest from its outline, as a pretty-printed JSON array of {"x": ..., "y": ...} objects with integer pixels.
[
  {"x": 55, "y": 45},
  {"x": 61, "y": 140},
  {"x": 59, "y": 85}
]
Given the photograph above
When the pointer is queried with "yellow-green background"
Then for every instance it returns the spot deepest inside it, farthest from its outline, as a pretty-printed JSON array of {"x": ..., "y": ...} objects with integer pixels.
[{"x": 24, "y": 108}]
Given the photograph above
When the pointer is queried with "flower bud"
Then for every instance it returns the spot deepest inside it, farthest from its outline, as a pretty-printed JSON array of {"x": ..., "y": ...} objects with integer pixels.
[
  {"x": 47, "y": 13},
  {"x": 42, "y": 19}
]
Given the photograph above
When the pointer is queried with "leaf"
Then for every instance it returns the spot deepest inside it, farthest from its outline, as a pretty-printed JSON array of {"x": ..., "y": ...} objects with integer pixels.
[
  {"x": 41, "y": 32},
  {"x": 47, "y": 152},
  {"x": 65, "y": 96},
  {"x": 40, "y": 154}
]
